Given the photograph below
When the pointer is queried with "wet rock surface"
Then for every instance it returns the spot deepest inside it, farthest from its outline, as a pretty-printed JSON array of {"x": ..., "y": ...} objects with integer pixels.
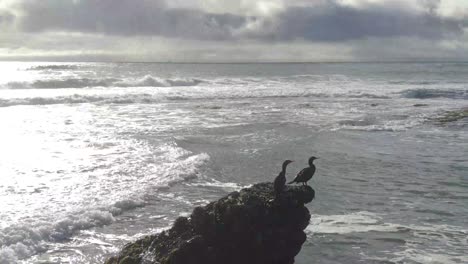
[
  {"x": 452, "y": 116},
  {"x": 249, "y": 226}
]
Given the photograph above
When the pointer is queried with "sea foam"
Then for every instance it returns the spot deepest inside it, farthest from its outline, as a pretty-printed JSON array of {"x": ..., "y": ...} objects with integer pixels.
[{"x": 349, "y": 223}]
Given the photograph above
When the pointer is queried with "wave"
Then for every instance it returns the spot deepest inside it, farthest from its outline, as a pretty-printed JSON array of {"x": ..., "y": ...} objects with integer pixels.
[
  {"x": 23, "y": 241},
  {"x": 20, "y": 242},
  {"x": 145, "y": 98},
  {"x": 423, "y": 93},
  {"x": 60, "y": 84},
  {"x": 75, "y": 99},
  {"x": 392, "y": 123},
  {"x": 414, "y": 82},
  {"x": 419, "y": 240},
  {"x": 150, "y": 81},
  {"x": 53, "y": 67},
  {"x": 366, "y": 95},
  {"x": 366, "y": 121},
  {"x": 321, "y": 78},
  {"x": 146, "y": 81},
  {"x": 37, "y": 233}
]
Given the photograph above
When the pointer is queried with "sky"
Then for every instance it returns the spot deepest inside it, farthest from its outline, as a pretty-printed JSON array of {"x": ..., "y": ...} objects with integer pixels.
[{"x": 234, "y": 30}]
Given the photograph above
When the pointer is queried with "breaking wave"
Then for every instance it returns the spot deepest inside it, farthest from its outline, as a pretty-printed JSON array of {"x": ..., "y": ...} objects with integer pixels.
[
  {"x": 53, "y": 67},
  {"x": 78, "y": 99},
  {"x": 59, "y": 84},
  {"x": 146, "y": 81},
  {"x": 145, "y": 98},
  {"x": 150, "y": 81},
  {"x": 423, "y": 93},
  {"x": 22, "y": 240}
]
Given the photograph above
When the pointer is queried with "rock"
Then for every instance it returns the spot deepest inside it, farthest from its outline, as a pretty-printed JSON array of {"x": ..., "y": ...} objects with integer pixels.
[
  {"x": 249, "y": 226},
  {"x": 452, "y": 116}
]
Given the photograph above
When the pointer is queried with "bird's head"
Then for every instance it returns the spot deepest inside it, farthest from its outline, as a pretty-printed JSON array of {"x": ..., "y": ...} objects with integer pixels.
[
  {"x": 311, "y": 160},
  {"x": 286, "y": 162}
]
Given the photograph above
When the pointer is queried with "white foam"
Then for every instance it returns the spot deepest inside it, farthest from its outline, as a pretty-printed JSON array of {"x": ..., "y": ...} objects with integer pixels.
[
  {"x": 427, "y": 257},
  {"x": 151, "y": 81},
  {"x": 53, "y": 67},
  {"x": 93, "y": 198},
  {"x": 60, "y": 83},
  {"x": 77, "y": 82},
  {"x": 8, "y": 255},
  {"x": 219, "y": 184},
  {"x": 349, "y": 223},
  {"x": 22, "y": 241},
  {"x": 227, "y": 88}
]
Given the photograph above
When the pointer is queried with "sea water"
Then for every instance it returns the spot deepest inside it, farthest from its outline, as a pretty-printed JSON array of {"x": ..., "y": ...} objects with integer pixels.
[{"x": 96, "y": 155}]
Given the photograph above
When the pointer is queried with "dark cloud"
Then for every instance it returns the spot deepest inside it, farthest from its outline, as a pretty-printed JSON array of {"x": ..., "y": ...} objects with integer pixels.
[
  {"x": 126, "y": 17},
  {"x": 328, "y": 22},
  {"x": 333, "y": 22}
]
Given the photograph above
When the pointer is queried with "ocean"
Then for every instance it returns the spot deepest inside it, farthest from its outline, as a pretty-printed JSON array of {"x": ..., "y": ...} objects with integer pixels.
[{"x": 96, "y": 155}]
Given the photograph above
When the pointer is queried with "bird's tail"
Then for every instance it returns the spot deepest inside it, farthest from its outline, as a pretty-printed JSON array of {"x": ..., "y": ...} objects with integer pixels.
[{"x": 293, "y": 181}]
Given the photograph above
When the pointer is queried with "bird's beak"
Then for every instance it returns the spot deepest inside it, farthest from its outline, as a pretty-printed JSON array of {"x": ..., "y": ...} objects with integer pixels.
[{"x": 316, "y": 158}]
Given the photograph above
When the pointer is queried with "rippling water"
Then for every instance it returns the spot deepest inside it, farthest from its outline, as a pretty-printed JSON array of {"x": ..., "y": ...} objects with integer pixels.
[{"x": 94, "y": 155}]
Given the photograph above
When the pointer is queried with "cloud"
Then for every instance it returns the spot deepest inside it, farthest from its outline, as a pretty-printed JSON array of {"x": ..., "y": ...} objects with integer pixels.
[
  {"x": 327, "y": 21},
  {"x": 125, "y": 17},
  {"x": 6, "y": 18},
  {"x": 221, "y": 30},
  {"x": 340, "y": 23},
  {"x": 409, "y": 49}
]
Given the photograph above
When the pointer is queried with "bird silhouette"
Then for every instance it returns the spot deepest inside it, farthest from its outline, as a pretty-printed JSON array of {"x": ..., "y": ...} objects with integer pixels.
[
  {"x": 305, "y": 174},
  {"x": 280, "y": 180}
]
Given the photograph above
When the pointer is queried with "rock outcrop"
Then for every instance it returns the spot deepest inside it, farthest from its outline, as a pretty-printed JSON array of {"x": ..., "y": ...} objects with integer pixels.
[
  {"x": 249, "y": 226},
  {"x": 452, "y": 116}
]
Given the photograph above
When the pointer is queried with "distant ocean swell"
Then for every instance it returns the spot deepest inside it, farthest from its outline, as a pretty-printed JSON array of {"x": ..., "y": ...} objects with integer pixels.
[
  {"x": 146, "y": 98},
  {"x": 151, "y": 99},
  {"x": 231, "y": 88},
  {"x": 146, "y": 81},
  {"x": 152, "y": 81},
  {"x": 53, "y": 67}
]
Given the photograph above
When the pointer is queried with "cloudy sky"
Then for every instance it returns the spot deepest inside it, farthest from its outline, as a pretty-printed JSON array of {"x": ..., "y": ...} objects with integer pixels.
[{"x": 229, "y": 30}]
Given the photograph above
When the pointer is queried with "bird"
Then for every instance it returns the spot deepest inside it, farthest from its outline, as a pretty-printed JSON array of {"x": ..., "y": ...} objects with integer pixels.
[
  {"x": 305, "y": 174},
  {"x": 280, "y": 180}
]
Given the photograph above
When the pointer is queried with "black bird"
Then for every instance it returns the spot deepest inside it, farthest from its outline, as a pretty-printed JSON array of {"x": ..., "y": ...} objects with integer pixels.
[
  {"x": 280, "y": 180},
  {"x": 305, "y": 174}
]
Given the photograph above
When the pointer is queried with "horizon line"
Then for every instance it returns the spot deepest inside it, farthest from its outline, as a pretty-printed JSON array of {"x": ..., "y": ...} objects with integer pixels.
[{"x": 240, "y": 62}]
